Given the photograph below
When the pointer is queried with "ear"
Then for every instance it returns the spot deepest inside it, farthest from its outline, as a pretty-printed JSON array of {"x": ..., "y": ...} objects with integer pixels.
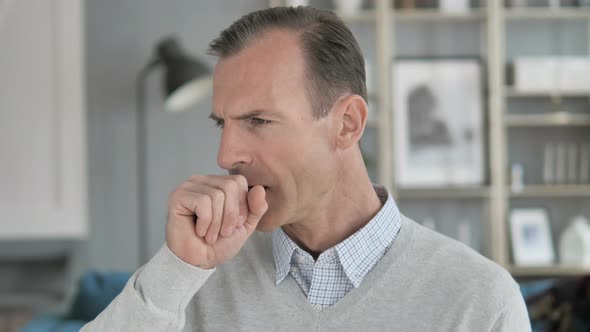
[{"x": 352, "y": 117}]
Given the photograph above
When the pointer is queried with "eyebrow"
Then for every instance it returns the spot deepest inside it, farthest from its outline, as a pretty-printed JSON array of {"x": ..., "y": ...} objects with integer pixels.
[
  {"x": 247, "y": 115},
  {"x": 214, "y": 117}
]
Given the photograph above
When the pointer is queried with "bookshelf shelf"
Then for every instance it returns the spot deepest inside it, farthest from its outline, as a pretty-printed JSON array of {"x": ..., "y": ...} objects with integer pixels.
[
  {"x": 547, "y": 13},
  {"x": 444, "y": 192},
  {"x": 546, "y": 120},
  {"x": 552, "y": 191},
  {"x": 405, "y": 15},
  {"x": 556, "y": 270}
]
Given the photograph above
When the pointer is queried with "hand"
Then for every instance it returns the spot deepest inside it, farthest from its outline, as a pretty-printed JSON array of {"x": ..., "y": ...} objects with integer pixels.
[{"x": 211, "y": 217}]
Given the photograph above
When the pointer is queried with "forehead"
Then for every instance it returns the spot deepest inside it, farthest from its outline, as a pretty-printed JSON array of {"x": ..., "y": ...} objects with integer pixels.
[{"x": 268, "y": 73}]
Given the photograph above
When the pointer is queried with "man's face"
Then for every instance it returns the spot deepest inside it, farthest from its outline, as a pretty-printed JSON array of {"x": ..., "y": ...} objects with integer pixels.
[{"x": 269, "y": 134}]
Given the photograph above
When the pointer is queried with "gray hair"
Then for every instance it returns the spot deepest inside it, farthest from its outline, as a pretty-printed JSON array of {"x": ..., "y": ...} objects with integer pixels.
[{"x": 334, "y": 61}]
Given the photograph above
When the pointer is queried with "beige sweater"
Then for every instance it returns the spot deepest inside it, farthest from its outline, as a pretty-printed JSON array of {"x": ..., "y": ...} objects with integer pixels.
[{"x": 425, "y": 282}]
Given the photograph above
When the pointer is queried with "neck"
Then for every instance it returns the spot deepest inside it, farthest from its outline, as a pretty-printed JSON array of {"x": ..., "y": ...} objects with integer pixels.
[{"x": 349, "y": 205}]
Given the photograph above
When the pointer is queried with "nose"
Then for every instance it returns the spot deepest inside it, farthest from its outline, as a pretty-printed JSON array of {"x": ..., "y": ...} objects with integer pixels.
[{"x": 232, "y": 149}]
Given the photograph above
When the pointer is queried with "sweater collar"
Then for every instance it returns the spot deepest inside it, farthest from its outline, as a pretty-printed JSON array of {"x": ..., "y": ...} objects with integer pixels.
[{"x": 357, "y": 254}]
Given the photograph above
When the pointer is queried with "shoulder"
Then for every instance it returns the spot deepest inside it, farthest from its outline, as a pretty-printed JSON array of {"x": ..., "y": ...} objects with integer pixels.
[
  {"x": 458, "y": 267},
  {"x": 446, "y": 282},
  {"x": 439, "y": 250}
]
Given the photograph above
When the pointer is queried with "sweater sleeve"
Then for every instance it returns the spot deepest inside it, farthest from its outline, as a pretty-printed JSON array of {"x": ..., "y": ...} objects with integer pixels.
[
  {"x": 154, "y": 298},
  {"x": 514, "y": 316}
]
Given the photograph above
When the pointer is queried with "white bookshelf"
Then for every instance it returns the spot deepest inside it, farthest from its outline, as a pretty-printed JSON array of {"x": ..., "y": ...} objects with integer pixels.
[
  {"x": 555, "y": 270},
  {"x": 512, "y": 92},
  {"x": 361, "y": 16},
  {"x": 563, "y": 13},
  {"x": 496, "y": 195},
  {"x": 444, "y": 193},
  {"x": 547, "y": 120},
  {"x": 550, "y": 191},
  {"x": 434, "y": 15}
]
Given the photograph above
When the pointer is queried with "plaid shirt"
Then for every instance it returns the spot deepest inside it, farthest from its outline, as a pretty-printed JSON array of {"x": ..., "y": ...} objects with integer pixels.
[{"x": 342, "y": 267}]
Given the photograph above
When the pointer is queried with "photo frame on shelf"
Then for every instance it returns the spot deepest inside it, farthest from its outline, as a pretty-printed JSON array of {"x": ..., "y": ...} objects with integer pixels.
[
  {"x": 454, "y": 6},
  {"x": 531, "y": 238},
  {"x": 438, "y": 121}
]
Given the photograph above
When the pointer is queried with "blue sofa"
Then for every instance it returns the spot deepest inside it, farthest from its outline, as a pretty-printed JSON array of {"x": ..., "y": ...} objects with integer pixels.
[{"x": 95, "y": 291}]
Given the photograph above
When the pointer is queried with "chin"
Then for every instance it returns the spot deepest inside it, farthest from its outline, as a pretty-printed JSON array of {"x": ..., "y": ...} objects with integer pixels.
[{"x": 266, "y": 223}]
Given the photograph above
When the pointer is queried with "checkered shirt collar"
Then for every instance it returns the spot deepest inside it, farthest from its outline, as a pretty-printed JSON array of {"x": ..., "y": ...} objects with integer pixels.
[{"x": 358, "y": 253}]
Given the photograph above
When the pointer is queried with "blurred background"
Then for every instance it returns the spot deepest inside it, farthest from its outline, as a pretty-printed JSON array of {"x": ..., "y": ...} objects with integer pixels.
[{"x": 479, "y": 126}]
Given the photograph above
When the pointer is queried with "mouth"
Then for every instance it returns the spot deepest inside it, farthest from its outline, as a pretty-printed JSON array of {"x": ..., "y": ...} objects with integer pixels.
[{"x": 265, "y": 188}]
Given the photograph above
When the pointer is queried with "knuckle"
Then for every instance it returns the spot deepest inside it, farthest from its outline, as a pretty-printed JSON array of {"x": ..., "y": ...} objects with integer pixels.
[
  {"x": 202, "y": 200},
  {"x": 241, "y": 181},
  {"x": 216, "y": 196},
  {"x": 230, "y": 187}
]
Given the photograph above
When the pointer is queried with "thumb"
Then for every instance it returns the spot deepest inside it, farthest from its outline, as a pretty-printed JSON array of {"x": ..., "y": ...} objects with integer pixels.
[{"x": 257, "y": 207}]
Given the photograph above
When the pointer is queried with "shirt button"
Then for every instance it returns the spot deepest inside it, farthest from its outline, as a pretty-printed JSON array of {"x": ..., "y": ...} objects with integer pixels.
[
  {"x": 294, "y": 269},
  {"x": 318, "y": 307}
]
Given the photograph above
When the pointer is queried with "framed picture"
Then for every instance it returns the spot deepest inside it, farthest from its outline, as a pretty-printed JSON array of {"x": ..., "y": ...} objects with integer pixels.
[
  {"x": 531, "y": 237},
  {"x": 438, "y": 122}
]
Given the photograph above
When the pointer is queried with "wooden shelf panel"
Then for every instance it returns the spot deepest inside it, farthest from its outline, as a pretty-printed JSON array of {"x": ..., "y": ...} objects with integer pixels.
[
  {"x": 553, "y": 119},
  {"x": 444, "y": 192},
  {"x": 549, "y": 271},
  {"x": 547, "y": 13},
  {"x": 372, "y": 123},
  {"x": 552, "y": 191},
  {"x": 372, "y": 95},
  {"x": 437, "y": 15},
  {"x": 512, "y": 92},
  {"x": 475, "y": 14},
  {"x": 367, "y": 15}
]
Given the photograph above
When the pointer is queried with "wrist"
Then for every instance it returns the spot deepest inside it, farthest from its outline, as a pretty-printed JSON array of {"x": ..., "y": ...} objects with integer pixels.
[{"x": 166, "y": 280}]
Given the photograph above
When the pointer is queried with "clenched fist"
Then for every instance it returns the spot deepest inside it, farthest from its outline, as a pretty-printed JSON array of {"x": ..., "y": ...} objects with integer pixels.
[{"x": 211, "y": 217}]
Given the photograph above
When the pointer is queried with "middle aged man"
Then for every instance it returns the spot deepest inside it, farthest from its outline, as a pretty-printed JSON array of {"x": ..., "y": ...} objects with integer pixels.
[{"x": 334, "y": 252}]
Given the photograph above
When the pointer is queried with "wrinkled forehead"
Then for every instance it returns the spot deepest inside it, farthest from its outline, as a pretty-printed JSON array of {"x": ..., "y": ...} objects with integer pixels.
[{"x": 270, "y": 70}]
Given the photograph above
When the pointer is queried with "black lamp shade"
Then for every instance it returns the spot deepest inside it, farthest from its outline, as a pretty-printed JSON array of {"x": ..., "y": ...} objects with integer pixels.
[{"x": 186, "y": 80}]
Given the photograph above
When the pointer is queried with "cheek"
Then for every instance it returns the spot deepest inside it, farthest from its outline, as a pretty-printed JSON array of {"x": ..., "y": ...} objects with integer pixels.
[
  {"x": 297, "y": 158},
  {"x": 300, "y": 170},
  {"x": 285, "y": 164},
  {"x": 311, "y": 167}
]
